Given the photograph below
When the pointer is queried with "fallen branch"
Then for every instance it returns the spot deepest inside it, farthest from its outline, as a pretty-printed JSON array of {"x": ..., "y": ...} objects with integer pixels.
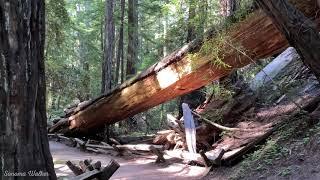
[{"x": 224, "y": 128}]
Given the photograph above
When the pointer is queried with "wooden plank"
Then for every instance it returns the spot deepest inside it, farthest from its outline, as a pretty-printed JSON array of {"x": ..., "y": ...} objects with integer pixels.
[
  {"x": 79, "y": 141},
  {"x": 93, "y": 150},
  {"x": 99, "y": 146},
  {"x": 139, "y": 147}
]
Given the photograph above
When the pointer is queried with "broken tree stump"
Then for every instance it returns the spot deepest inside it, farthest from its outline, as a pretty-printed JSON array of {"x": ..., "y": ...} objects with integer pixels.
[
  {"x": 88, "y": 165},
  {"x": 97, "y": 165},
  {"x": 206, "y": 161},
  {"x": 88, "y": 171},
  {"x": 160, "y": 158},
  {"x": 109, "y": 170},
  {"x": 75, "y": 169}
]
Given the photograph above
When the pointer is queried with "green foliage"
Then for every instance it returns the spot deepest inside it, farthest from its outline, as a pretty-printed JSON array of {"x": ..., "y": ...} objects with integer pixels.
[
  {"x": 243, "y": 10},
  {"x": 214, "y": 49},
  {"x": 286, "y": 171},
  {"x": 73, "y": 52},
  {"x": 73, "y": 40},
  {"x": 219, "y": 47}
]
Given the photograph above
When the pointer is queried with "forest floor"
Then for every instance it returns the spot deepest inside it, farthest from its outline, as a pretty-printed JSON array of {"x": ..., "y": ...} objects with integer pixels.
[
  {"x": 293, "y": 150},
  {"x": 138, "y": 167},
  {"x": 291, "y": 153}
]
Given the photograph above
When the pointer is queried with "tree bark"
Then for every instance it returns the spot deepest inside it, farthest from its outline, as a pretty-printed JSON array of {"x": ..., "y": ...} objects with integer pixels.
[
  {"x": 174, "y": 76},
  {"x": 228, "y": 7},
  {"x": 83, "y": 93},
  {"x": 299, "y": 30},
  {"x": 203, "y": 15},
  {"x": 23, "y": 142},
  {"x": 108, "y": 47},
  {"x": 132, "y": 56},
  {"x": 119, "y": 61},
  {"x": 191, "y": 21}
]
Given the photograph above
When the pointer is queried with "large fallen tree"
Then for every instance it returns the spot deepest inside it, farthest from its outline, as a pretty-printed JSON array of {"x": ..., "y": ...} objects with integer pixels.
[{"x": 182, "y": 71}]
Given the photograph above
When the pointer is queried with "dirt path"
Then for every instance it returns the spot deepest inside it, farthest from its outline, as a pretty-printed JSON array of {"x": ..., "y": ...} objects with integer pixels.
[{"x": 137, "y": 168}]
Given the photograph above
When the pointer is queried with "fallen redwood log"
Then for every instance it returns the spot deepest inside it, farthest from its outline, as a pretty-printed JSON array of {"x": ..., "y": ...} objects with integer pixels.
[
  {"x": 176, "y": 75},
  {"x": 139, "y": 147}
]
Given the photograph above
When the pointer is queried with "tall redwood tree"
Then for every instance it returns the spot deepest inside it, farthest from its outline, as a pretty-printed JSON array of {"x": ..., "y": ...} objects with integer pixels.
[{"x": 23, "y": 139}]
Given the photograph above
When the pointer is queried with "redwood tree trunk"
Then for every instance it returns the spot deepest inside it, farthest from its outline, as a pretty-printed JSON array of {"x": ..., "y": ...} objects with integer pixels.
[
  {"x": 24, "y": 143},
  {"x": 228, "y": 7},
  {"x": 108, "y": 47},
  {"x": 191, "y": 21},
  {"x": 132, "y": 55},
  {"x": 119, "y": 62},
  {"x": 299, "y": 30}
]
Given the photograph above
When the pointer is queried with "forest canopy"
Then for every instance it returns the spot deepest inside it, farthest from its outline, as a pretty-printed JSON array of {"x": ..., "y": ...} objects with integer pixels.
[{"x": 75, "y": 38}]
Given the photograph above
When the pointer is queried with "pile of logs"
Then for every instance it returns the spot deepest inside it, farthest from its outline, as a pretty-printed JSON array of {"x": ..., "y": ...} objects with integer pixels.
[
  {"x": 212, "y": 148},
  {"x": 86, "y": 170},
  {"x": 175, "y": 137}
]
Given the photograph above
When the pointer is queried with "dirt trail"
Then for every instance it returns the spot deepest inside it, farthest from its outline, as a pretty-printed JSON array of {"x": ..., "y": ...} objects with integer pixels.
[{"x": 137, "y": 168}]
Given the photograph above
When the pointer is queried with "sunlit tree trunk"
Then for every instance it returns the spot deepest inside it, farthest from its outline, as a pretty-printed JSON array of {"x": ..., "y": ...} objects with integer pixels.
[
  {"x": 299, "y": 30},
  {"x": 228, "y": 7},
  {"x": 23, "y": 141}
]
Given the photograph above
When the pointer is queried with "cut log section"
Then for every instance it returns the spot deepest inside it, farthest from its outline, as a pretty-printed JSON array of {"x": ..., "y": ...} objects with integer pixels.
[
  {"x": 176, "y": 74},
  {"x": 75, "y": 169},
  {"x": 88, "y": 171}
]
